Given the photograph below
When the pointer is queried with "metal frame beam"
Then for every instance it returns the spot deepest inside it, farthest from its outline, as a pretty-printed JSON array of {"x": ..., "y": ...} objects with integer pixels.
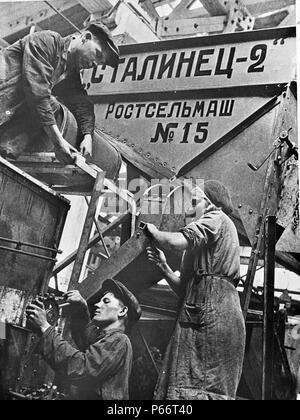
[
  {"x": 215, "y": 7},
  {"x": 84, "y": 241},
  {"x": 114, "y": 265},
  {"x": 17, "y": 17},
  {"x": 71, "y": 258},
  {"x": 171, "y": 28},
  {"x": 269, "y": 321}
]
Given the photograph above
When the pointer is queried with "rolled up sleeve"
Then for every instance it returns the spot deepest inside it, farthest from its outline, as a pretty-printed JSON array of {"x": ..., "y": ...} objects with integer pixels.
[
  {"x": 204, "y": 231},
  {"x": 100, "y": 361},
  {"x": 78, "y": 326},
  {"x": 38, "y": 58}
]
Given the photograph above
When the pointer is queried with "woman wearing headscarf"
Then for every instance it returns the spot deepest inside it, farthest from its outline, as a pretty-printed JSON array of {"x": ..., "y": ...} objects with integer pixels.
[{"x": 204, "y": 358}]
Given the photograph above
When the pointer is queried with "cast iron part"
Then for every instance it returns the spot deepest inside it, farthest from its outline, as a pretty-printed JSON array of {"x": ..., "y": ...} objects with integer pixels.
[
  {"x": 293, "y": 149},
  {"x": 257, "y": 167},
  {"x": 283, "y": 138},
  {"x": 143, "y": 226},
  {"x": 46, "y": 392},
  {"x": 51, "y": 304}
]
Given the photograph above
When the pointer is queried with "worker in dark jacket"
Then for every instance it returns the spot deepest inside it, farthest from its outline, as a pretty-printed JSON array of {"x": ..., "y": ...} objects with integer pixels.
[
  {"x": 42, "y": 64},
  {"x": 204, "y": 359},
  {"x": 100, "y": 367}
]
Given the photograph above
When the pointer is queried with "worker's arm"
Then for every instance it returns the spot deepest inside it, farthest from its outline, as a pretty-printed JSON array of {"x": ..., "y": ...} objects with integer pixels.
[
  {"x": 39, "y": 61},
  {"x": 79, "y": 314},
  {"x": 156, "y": 256},
  {"x": 101, "y": 361},
  {"x": 75, "y": 97},
  {"x": 169, "y": 241},
  {"x": 64, "y": 152}
]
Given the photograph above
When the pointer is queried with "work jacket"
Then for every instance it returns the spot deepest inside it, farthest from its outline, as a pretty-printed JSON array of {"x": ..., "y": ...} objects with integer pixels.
[
  {"x": 98, "y": 369},
  {"x": 35, "y": 67}
]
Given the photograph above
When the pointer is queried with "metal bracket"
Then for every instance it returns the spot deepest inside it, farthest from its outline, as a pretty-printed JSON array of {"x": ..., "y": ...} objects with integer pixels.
[
  {"x": 239, "y": 17},
  {"x": 20, "y": 244},
  {"x": 30, "y": 254}
]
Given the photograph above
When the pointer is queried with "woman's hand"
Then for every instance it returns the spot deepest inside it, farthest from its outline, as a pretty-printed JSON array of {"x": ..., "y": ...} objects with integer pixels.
[{"x": 157, "y": 256}]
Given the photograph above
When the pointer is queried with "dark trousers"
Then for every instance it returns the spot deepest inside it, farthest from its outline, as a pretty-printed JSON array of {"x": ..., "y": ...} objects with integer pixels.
[{"x": 23, "y": 133}]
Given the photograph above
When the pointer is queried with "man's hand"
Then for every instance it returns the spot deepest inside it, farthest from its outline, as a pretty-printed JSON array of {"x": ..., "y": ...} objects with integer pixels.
[
  {"x": 37, "y": 316},
  {"x": 86, "y": 147},
  {"x": 77, "y": 306},
  {"x": 65, "y": 153},
  {"x": 74, "y": 298}
]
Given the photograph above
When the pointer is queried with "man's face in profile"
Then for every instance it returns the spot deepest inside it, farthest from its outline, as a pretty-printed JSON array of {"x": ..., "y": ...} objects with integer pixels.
[
  {"x": 87, "y": 52},
  {"x": 109, "y": 310}
]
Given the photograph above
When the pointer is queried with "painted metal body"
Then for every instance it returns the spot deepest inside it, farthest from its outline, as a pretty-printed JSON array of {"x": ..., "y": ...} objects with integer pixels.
[
  {"x": 32, "y": 220},
  {"x": 205, "y": 108},
  {"x": 209, "y": 108}
]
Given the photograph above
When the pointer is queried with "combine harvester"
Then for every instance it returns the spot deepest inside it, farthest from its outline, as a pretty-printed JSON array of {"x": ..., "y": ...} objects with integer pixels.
[{"x": 220, "y": 108}]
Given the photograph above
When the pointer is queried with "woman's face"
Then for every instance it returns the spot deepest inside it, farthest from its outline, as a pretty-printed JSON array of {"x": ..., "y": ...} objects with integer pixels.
[{"x": 197, "y": 208}]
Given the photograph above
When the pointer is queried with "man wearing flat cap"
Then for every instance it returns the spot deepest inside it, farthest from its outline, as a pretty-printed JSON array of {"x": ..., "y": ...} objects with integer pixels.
[
  {"x": 204, "y": 359},
  {"x": 38, "y": 66},
  {"x": 99, "y": 368}
]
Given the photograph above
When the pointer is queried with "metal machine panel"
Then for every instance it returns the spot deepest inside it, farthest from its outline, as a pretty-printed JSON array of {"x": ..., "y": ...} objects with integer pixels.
[
  {"x": 32, "y": 218},
  {"x": 31, "y": 222},
  {"x": 200, "y": 63},
  {"x": 173, "y": 132}
]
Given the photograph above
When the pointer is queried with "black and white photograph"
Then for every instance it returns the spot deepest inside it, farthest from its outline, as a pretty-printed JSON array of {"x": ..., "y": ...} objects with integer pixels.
[{"x": 149, "y": 203}]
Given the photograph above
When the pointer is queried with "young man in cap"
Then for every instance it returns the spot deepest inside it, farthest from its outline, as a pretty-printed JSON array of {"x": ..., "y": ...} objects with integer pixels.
[
  {"x": 42, "y": 64},
  {"x": 100, "y": 367},
  {"x": 204, "y": 359}
]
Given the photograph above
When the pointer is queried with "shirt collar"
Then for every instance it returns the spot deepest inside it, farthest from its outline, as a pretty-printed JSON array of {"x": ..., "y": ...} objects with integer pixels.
[
  {"x": 66, "y": 46},
  {"x": 104, "y": 333}
]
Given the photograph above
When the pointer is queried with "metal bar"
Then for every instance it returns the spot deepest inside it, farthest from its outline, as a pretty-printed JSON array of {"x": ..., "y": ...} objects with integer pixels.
[
  {"x": 148, "y": 350},
  {"x": 84, "y": 241},
  {"x": 252, "y": 269},
  {"x": 258, "y": 114},
  {"x": 19, "y": 243},
  {"x": 99, "y": 230},
  {"x": 215, "y": 7},
  {"x": 269, "y": 321},
  {"x": 246, "y": 297},
  {"x": 283, "y": 355},
  {"x": 128, "y": 252},
  {"x": 291, "y": 292},
  {"x": 71, "y": 258},
  {"x": 17, "y": 395},
  {"x": 93, "y": 170},
  {"x": 17, "y": 251},
  {"x": 63, "y": 16}
]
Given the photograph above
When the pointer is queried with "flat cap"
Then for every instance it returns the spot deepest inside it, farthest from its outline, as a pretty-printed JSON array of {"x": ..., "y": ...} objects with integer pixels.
[
  {"x": 121, "y": 292},
  {"x": 100, "y": 31}
]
